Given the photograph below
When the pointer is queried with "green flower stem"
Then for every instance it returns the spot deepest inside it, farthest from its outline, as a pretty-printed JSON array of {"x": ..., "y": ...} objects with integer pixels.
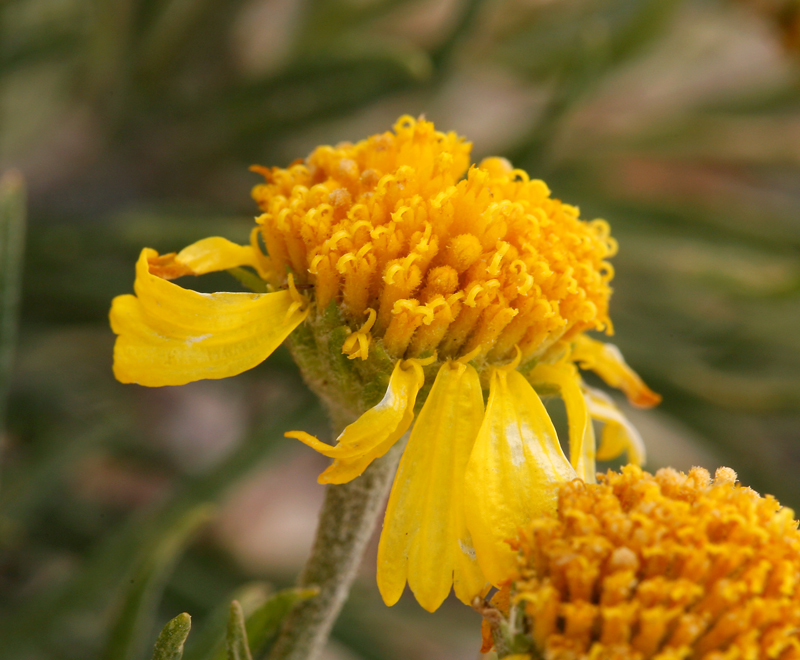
[{"x": 346, "y": 523}]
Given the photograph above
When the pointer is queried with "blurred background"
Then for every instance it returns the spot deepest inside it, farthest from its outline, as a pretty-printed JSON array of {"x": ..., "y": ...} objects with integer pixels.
[{"x": 134, "y": 122}]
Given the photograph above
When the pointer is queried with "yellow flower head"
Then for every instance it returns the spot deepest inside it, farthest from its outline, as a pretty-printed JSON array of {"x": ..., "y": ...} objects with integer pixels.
[
  {"x": 408, "y": 283},
  {"x": 461, "y": 265},
  {"x": 670, "y": 566}
]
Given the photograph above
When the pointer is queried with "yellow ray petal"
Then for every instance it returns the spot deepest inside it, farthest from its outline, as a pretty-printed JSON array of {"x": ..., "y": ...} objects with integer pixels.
[
  {"x": 565, "y": 376},
  {"x": 205, "y": 256},
  {"x": 607, "y": 362},
  {"x": 372, "y": 434},
  {"x": 343, "y": 470},
  {"x": 618, "y": 435},
  {"x": 168, "y": 335},
  {"x": 425, "y": 537},
  {"x": 513, "y": 471},
  {"x": 216, "y": 253}
]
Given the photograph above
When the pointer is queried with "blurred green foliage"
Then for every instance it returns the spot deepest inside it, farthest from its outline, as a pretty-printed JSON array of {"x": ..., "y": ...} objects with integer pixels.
[
  {"x": 134, "y": 122},
  {"x": 12, "y": 248}
]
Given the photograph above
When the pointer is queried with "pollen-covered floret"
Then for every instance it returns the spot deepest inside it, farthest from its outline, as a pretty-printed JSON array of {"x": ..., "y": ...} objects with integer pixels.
[
  {"x": 669, "y": 566},
  {"x": 449, "y": 259}
]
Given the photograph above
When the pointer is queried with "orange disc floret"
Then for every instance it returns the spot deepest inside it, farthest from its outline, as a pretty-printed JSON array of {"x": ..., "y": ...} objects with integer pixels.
[
  {"x": 452, "y": 258},
  {"x": 667, "y": 566}
]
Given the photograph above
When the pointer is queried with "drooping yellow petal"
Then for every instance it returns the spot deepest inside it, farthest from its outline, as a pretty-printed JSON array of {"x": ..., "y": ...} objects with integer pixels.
[
  {"x": 216, "y": 253},
  {"x": 205, "y": 256},
  {"x": 343, "y": 470},
  {"x": 374, "y": 433},
  {"x": 618, "y": 435},
  {"x": 607, "y": 362},
  {"x": 513, "y": 471},
  {"x": 425, "y": 537},
  {"x": 168, "y": 335},
  {"x": 565, "y": 376}
]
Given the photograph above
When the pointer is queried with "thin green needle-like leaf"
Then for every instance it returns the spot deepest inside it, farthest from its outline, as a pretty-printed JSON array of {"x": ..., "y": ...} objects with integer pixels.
[
  {"x": 136, "y": 617},
  {"x": 174, "y": 25},
  {"x": 12, "y": 245},
  {"x": 249, "y": 280},
  {"x": 468, "y": 13},
  {"x": 209, "y": 642},
  {"x": 331, "y": 19},
  {"x": 40, "y": 46},
  {"x": 236, "y": 638},
  {"x": 169, "y": 645},
  {"x": 109, "y": 43},
  {"x": 264, "y": 622}
]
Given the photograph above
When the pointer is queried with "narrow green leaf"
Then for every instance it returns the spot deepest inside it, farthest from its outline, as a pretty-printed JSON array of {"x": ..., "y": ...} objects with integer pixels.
[
  {"x": 136, "y": 616},
  {"x": 39, "y": 47},
  {"x": 236, "y": 639},
  {"x": 265, "y": 618},
  {"x": 249, "y": 280},
  {"x": 466, "y": 17},
  {"x": 110, "y": 35},
  {"x": 332, "y": 19},
  {"x": 169, "y": 645},
  {"x": 176, "y": 22},
  {"x": 12, "y": 246},
  {"x": 264, "y": 622},
  {"x": 208, "y": 643}
]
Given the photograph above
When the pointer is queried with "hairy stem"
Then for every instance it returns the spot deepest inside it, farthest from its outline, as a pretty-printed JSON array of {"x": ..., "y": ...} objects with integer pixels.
[{"x": 346, "y": 523}]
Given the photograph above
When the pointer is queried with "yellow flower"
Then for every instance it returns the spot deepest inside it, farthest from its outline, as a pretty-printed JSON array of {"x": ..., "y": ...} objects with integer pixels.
[
  {"x": 670, "y": 566},
  {"x": 408, "y": 282}
]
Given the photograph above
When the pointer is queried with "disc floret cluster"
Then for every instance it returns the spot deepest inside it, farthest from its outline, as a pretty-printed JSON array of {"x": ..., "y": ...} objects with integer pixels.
[
  {"x": 670, "y": 566},
  {"x": 432, "y": 255}
]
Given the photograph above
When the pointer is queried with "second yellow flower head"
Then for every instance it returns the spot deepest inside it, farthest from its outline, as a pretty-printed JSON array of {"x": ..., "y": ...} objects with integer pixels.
[{"x": 668, "y": 566}]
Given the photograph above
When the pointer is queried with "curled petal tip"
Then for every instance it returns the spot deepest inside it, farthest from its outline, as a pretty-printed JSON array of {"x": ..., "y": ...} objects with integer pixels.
[
  {"x": 607, "y": 362},
  {"x": 167, "y": 267},
  {"x": 643, "y": 397}
]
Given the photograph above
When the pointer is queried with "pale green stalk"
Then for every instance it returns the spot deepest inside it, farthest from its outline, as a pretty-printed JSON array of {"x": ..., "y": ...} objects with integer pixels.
[{"x": 346, "y": 523}]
